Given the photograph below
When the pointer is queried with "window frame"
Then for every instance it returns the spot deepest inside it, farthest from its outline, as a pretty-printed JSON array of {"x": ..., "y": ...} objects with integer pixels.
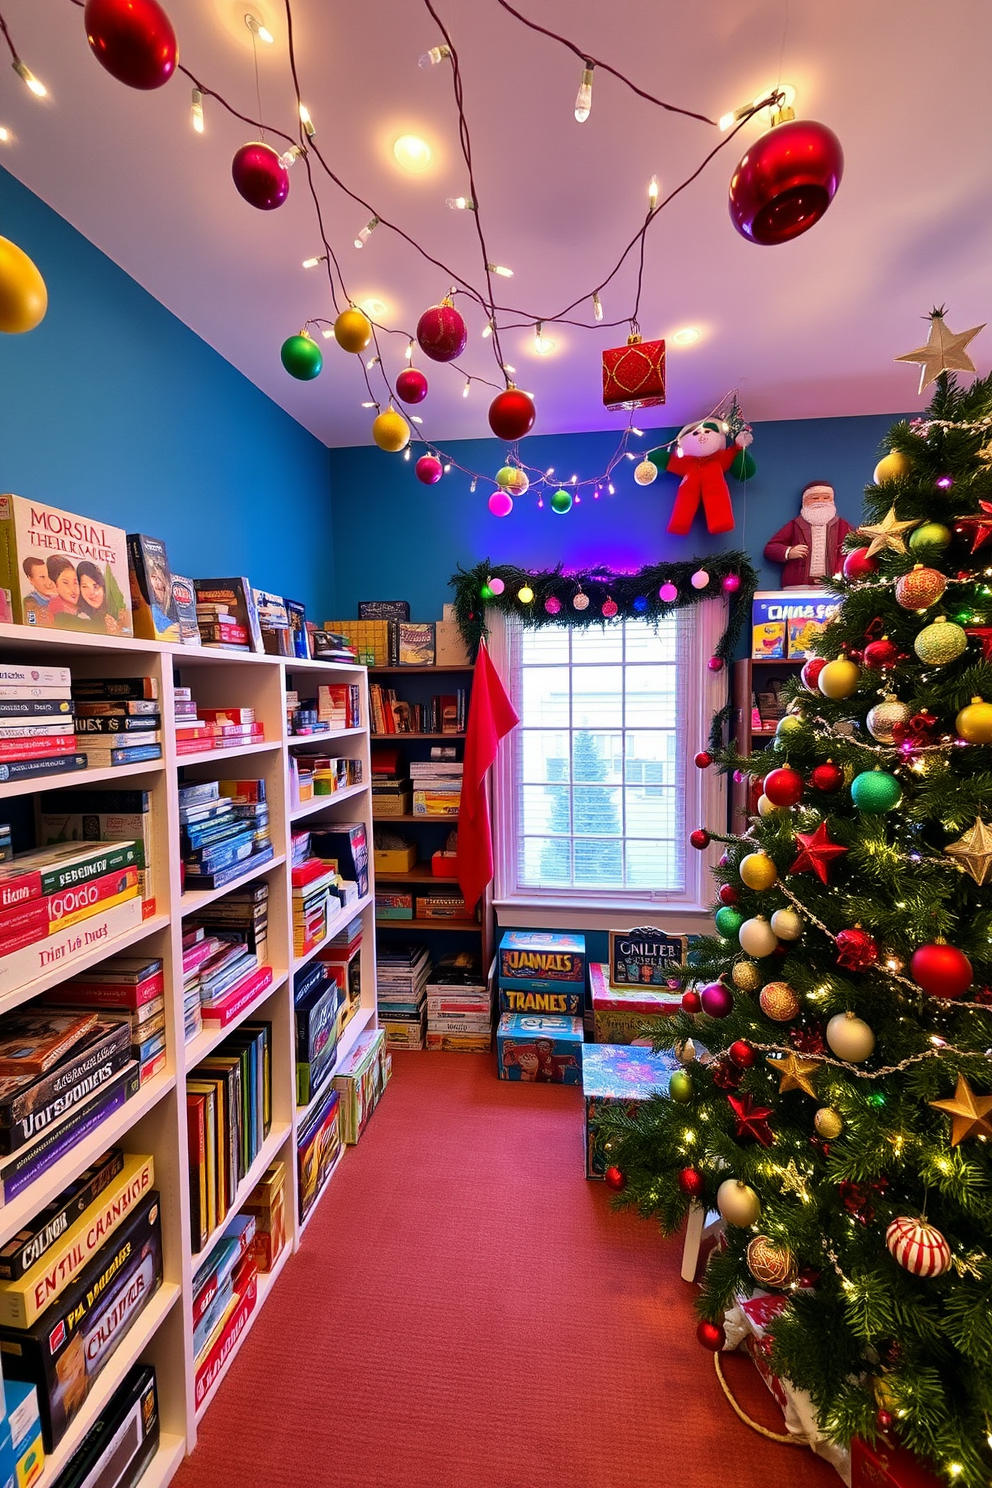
[{"x": 701, "y": 693}]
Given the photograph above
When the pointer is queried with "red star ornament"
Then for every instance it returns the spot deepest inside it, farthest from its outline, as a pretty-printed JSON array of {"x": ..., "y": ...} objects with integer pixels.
[
  {"x": 981, "y": 633},
  {"x": 816, "y": 852},
  {"x": 978, "y": 528},
  {"x": 751, "y": 1119}
]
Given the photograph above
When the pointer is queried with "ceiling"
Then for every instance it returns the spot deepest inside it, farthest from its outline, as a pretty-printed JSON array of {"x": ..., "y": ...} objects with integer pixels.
[{"x": 808, "y": 329}]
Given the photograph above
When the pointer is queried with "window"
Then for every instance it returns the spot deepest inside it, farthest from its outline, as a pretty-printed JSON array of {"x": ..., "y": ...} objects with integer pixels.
[{"x": 596, "y": 791}]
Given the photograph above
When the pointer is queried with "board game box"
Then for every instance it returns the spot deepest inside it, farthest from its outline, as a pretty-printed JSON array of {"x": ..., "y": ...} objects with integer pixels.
[
  {"x": 561, "y": 1002},
  {"x": 123, "y": 1439},
  {"x": 622, "y": 1016},
  {"x": 643, "y": 957},
  {"x": 152, "y": 599},
  {"x": 318, "y": 1147},
  {"x": 617, "y": 1076},
  {"x": 539, "y": 1049},
  {"x": 540, "y": 960},
  {"x": 24, "y": 1249},
  {"x": 62, "y": 572}
]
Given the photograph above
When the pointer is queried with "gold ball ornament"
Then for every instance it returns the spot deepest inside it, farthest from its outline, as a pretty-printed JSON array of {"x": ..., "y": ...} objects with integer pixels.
[
  {"x": 850, "y": 1038},
  {"x": 974, "y": 723},
  {"x": 787, "y": 924},
  {"x": 890, "y": 467},
  {"x": 391, "y": 431},
  {"x": 513, "y": 480},
  {"x": 771, "y": 1263},
  {"x": 828, "y": 1123},
  {"x": 746, "y": 976},
  {"x": 756, "y": 937},
  {"x": 885, "y": 1397},
  {"x": 778, "y": 1002},
  {"x": 920, "y": 588},
  {"x": 758, "y": 871},
  {"x": 352, "y": 330},
  {"x": 884, "y": 717},
  {"x": 23, "y": 294},
  {"x": 738, "y": 1203},
  {"x": 645, "y": 473},
  {"x": 941, "y": 642},
  {"x": 839, "y": 679}
]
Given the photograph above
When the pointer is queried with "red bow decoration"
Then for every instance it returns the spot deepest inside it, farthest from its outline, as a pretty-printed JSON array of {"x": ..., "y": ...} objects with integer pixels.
[{"x": 808, "y": 1040}]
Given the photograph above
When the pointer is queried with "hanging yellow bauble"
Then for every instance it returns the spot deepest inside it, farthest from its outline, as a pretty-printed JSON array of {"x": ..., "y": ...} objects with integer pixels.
[
  {"x": 758, "y": 871},
  {"x": 23, "y": 296},
  {"x": 891, "y": 466},
  {"x": 787, "y": 924},
  {"x": 746, "y": 976},
  {"x": 771, "y": 1263},
  {"x": 839, "y": 679},
  {"x": 828, "y": 1123},
  {"x": 778, "y": 1002},
  {"x": 941, "y": 642},
  {"x": 391, "y": 431},
  {"x": 353, "y": 330},
  {"x": 513, "y": 480},
  {"x": 974, "y": 723},
  {"x": 645, "y": 473},
  {"x": 738, "y": 1203}
]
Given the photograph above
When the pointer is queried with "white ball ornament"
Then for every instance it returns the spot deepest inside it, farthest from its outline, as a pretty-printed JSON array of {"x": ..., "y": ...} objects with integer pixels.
[
  {"x": 786, "y": 924},
  {"x": 768, "y": 808},
  {"x": 700, "y": 579},
  {"x": 757, "y": 937},
  {"x": 850, "y": 1038},
  {"x": 738, "y": 1203},
  {"x": 645, "y": 473},
  {"x": 917, "y": 1247},
  {"x": 581, "y": 601}
]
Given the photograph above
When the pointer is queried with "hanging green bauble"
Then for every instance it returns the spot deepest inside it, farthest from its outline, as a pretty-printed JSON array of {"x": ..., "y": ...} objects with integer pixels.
[
  {"x": 728, "y": 922},
  {"x": 875, "y": 791},
  {"x": 941, "y": 642},
  {"x": 680, "y": 1087},
  {"x": 561, "y": 502},
  {"x": 301, "y": 356},
  {"x": 931, "y": 535},
  {"x": 788, "y": 726}
]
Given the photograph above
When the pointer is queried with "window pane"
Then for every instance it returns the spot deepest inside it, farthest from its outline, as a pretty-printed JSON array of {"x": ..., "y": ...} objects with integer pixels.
[
  {"x": 545, "y": 861},
  {"x": 544, "y": 755},
  {"x": 651, "y": 812},
  {"x": 545, "y": 696},
  {"x": 596, "y": 811},
  {"x": 545, "y": 808},
  {"x": 599, "y": 864},
  {"x": 597, "y": 694},
  {"x": 650, "y": 758},
  {"x": 645, "y": 644},
  {"x": 596, "y": 757},
  {"x": 595, "y": 644},
  {"x": 548, "y": 647},
  {"x": 653, "y": 865},
  {"x": 651, "y": 693}
]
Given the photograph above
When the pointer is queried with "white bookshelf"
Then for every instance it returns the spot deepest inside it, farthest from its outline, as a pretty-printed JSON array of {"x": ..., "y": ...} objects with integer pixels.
[{"x": 155, "y": 1119}]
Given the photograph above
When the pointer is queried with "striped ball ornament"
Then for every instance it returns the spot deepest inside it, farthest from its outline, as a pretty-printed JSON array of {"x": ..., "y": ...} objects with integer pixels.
[{"x": 917, "y": 1247}]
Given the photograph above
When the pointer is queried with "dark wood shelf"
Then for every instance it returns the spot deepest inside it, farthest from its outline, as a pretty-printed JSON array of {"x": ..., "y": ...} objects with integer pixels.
[
  {"x": 469, "y": 925},
  {"x": 392, "y": 738},
  {"x": 779, "y": 660},
  {"x": 433, "y": 820},
  {"x": 413, "y": 671}
]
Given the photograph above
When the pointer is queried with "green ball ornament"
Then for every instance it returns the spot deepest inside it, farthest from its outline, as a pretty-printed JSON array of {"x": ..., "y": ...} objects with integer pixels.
[
  {"x": 302, "y": 357},
  {"x": 561, "y": 502},
  {"x": 485, "y": 593},
  {"x": 931, "y": 535},
  {"x": 790, "y": 724},
  {"x": 875, "y": 791},
  {"x": 728, "y": 922},
  {"x": 941, "y": 642},
  {"x": 680, "y": 1087}
]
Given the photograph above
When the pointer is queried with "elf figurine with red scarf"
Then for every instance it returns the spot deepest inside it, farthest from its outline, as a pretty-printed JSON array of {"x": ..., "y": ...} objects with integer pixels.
[{"x": 703, "y": 458}]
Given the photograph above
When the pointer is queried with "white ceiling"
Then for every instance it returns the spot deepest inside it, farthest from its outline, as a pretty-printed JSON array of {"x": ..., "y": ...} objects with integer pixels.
[{"x": 808, "y": 329}]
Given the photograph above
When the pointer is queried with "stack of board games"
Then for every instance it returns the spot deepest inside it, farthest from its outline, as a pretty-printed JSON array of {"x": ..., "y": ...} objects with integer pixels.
[
  {"x": 301, "y": 714},
  {"x": 37, "y": 732},
  {"x": 274, "y": 623},
  {"x": 192, "y": 734},
  {"x": 339, "y": 706},
  {"x": 197, "y": 949},
  {"x": 122, "y": 1441},
  {"x": 266, "y": 1204},
  {"x": 360, "y": 1080},
  {"x": 62, "y": 901},
  {"x": 315, "y": 901},
  {"x": 226, "y": 972},
  {"x": 128, "y": 992},
  {"x": 319, "y": 1145},
  {"x": 459, "y": 1005},
  {"x": 220, "y": 832},
  {"x": 542, "y": 978},
  {"x": 36, "y": 1238},
  {"x": 62, "y": 572},
  {"x": 437, "y": 786},
  {"x": 229, "y": 1114},
  {"x": 617, "y": 1074},
  {"x": 231, "y": 728},
  {"x": 317, "y": 997},
  {"x": 226, "y": 615},
  {"x": 631, "y": 1015},
  {"x": 110, "y": 730},
  {"x": 345, "y": 847},
  {"x": 342, "y": 958},
  {"x": 243, "y": 914},
  {"x": 392, "y": 787},
  {"x": 402, "y": 994},
  {"x": 64, "y": 1350},
  {"x": 219, "y": 1289},
  {"x": 329, "y": 645},
  {"x": 104, "y": 815}
]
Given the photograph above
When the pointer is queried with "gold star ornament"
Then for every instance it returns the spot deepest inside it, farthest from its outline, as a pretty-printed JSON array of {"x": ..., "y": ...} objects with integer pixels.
[
  {"x": 795, "y": 1073},
  {"x": 968, "y": 1112},
  {"x": 973, "y": 852},
  {"x": 944, "y": 351},
  {"x": 887, "y": 535}
]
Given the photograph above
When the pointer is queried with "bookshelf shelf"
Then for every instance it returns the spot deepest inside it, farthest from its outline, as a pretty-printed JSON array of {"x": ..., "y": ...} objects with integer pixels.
[
  {"x": 78, "y": 779},
  {"x": 209, "y": 756},
  {"x": 400, "y": 738},
  {"x": 212, "y": 1034},
  {"x": 165, "y": 1464},
  {"x": 296, "y": 740},
  {"x": 266, "y": 1281},
  {"x": 194, "y": 899},
  {"x": 415, "y": 671},
  {"x": 420, "y": 873},
  {"x": 419, "y": 925},
  {"x": 427, "y": 820},
  {"x": 318, "y": 803},
  {"x": 276, "y": 1139}
]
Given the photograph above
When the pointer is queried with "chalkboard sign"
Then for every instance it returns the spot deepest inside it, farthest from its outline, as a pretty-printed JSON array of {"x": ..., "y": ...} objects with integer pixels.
[
  {"x": 383, "y": 609},
  {"x": 641, "y": 957}
]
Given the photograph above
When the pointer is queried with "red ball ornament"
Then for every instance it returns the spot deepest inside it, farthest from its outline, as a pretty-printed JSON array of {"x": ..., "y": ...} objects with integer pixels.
[
  {"x": 691, "y": 1002},
  {"x": 880, "y": 654},
  {"x": 742, "y": 1053},
  {"x": 827, "y": 777},
  {"x": 715, "y": 664},
  {"x": 442, "y": 333},
  {"x": 429, "y": 470},
  {"x": 411, "y": 385},
  {"x": 615, "y": 1179},
  {"x": 691, "y": 1182},
  {"x": 858, "y": 565},
  {"x": 511, "y": 414},
  {"x": 783, "y": 787},
  {"x": 856, "y": 950},
  {"x": 711, "y": 1336},
  {"x": 811, "y": 671},
  {"x": 728, "y": 895},
  {"x": 133, "y": 40},
  {"x": 260, "y": 176},
  {"x": 941, "y": 970},
  {"x": 609, "y": 609},
  {"x": 785, "y": 182},
  {"x": 700, "y": 838},
  {"x": 703, "y": 760},
  {"x": 884, "y": 1419}
]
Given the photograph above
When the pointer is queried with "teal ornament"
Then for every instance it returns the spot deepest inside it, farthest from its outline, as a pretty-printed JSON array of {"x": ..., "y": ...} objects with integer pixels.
[
  {"x": 875, "y": 791},
  {"x": 302, "y": 358},
  {"x": 680, "y": 1087},
  {"x": 728, "y": 922}
]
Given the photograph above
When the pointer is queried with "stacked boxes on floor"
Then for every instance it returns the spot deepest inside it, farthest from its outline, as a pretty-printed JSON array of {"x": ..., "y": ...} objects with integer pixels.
[
  {"x": 628, "y": 1015},
  {"x": 459, "y": 1005},
  {"x": 542, "y": 981},
  {"x": 402, "y": 979},
  {"x": 616, "y": 1074}
]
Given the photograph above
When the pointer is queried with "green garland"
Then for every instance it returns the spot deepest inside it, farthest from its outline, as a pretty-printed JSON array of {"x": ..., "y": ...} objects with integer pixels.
[{"x": 635, "y": 595}]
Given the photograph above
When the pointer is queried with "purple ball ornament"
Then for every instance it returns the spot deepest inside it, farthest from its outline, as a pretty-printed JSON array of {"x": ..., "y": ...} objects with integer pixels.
[
  {"x": 730, "y": 583},
  {"x": 717, "y": 1000},
  {"x": 500, "y": 504},
  {"x": 668, "y": 593}
]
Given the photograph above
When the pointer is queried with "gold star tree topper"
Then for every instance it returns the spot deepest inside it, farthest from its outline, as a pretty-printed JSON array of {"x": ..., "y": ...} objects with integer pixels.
[
  {"x": 887, "y": 534},
  {"x": 973, "y": 852},
  {"x": 944, "y": 351},
  {"x": 968, "y": 1112},
  {"x": 795, "y": 1073}
]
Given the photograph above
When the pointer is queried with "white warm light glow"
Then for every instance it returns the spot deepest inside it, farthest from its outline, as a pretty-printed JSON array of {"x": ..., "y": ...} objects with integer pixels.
[
  {"x": 374, "y": 307},
  {"x": 788, "y": 98},
  {"x": 257, "y": 29},
  {"x": 5, "y": 135},
  {"x": 413, "y": 153},
  {"x": 27, "y": 76},
  {"x": 687, "y": 336}
]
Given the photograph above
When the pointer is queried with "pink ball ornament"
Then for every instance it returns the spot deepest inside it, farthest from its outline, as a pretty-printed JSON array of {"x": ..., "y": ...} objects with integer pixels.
[
  {"x": 496, "y": 586},
  {"x": 428, "y": 470},
  {"x": 133, "y": 40},
  {"x": 552, "y": 604},
  {"x": 668, "y": 593},
  {"x": 500, "y": 504},
  {"x": 730, "y": 583},
  {"x": 442, "y": 333},
  {"x": 715, "y": 664},
  {"x": 260, "y": 176},
  {"x": 511, "y": 414},
  {"x": 411, "y": 385},
  {"x": 700, "y": 579},
  {"x": 717, "y": 1000}
]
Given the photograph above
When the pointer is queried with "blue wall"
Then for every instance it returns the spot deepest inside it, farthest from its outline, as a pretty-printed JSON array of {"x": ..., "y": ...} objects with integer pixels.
[
  {"x": 115, "y": 409},
  {"x": 397, "y": 539}
]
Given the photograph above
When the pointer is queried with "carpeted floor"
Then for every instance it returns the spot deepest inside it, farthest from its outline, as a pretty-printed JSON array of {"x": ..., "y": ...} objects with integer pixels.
[{"x": 467, "y": 1312}]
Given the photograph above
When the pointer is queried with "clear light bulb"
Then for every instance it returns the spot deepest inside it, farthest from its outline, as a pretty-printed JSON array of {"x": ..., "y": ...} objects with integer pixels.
[
  {"x": 487, "y": 330},
  {"x": 257, "y": 29},
  {"x": 475, "y": 482},
  {"x": 597, "y": 307},
  {"x": 370, "y": 405},
  {"x": 447, "y": 468},
  {"x": 461, "y": 203},
  {"x": 27, "y": 76},
  {"x": 372, "y": 362},
  {"x": 500, "y": 270},
  {"x": 366, "y": 232},
  {"x": 543, "y": 345},
  {"x": 467, "y": 388},
  {"x": 311, "y": 263},
  {"x": 653, "y": 191},
  {"x": 435, "y": 55},
  {"x": 409, "y": 352},
  {"x": 415, "y": 418},
  {"x": 406, "y": 453},
  {"x": 508, "y": 369},
  {"x": 196, "y": 111},
  {"x": 290, "y": 157},
  {"x": 583, "y": 99},
  {"x": 307, "y": 122}
]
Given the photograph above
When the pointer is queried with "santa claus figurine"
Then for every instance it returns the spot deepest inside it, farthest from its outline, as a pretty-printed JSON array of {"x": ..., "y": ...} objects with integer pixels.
[
  {"x": 809, "y": 547},
  {"x": 703, "y": 459}
]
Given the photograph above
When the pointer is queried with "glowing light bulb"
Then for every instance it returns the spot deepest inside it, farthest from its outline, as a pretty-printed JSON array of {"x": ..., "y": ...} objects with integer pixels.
[
  {"x": 475, "y": 482},
  {"x": 638, "y": 432},
  {"x": 372, "y": 362},
  {"x": 783, "y": 96},
  {"x": 370, "y": 405},
  {"x": 307, "y": 122},
  {"x": 415, "y": 418},
  {"x": 311, "y": 263},
  {"x": 257, "y": 29},
  {"x": 687, "y": 336},
  {"x": 196, "y": 111},
  {"x": 412, "y": 153},
  {"x": 374, "y": 308},
  {"x": 487, "y": 330},
  {"x": 327, "y": 332},
  {"x": 467, "y": 388},
  {"x": 461, "y": 203},
  {"x": 366, "y": 232},
  {"x": 290, "y": 156},
  {"x": 504, "y": 273},
  {"x": 433, "y": 56},
  {"x": 508, "y": 369},
  {"x": 409, "y": 351},
  {"x": 543, "y": 345},
  {"x": 27, "y": 77},
  {"x": 612, "y": 489},
  {"x": 447, "y": 467},
  {"x": 583, "y": 99},
  {"x": 653, "y": 190},
  {"x": 406, "y": 453}
]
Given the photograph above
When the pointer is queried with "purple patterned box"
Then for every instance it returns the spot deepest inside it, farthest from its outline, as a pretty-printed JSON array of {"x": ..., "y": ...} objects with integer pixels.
[{"x": 618, "y": 1073}]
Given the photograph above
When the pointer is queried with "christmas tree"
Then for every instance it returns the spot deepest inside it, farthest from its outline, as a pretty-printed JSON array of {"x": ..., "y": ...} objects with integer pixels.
[{"x": 834, "y": 1099}]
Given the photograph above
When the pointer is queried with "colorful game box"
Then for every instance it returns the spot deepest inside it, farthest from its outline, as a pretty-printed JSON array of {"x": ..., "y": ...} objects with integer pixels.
[
  {"x": 561, "y": 1002},
  {"x": 360, "y": 1080},
  {"x": 780, "y": 617},
  {"x": 541, "y": 960},
  {"x": 628, "y": 1016},
  {"x": 540, "y": 1049},
  {"x": 318, "y": 1147},
  {"x": 644, "y": 956},
  {"x": 803, "y": 638},
  {"x": 62, "y": 572},
  {"x": 617, "y": 1076},
  {"x": 768, "y": 640}
]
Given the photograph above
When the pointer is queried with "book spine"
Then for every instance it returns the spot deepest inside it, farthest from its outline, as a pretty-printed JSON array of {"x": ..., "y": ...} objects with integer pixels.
[
  {"x": 126, "y": 708},
  {"x": 239, "y": 998},
  {"x": 35, "y": 1123},
  {"x": 32, "y": 676},
  {"x": 25, "y": 1167},
  {"x": 62, "y": 948},
  {"x": 100, "y": 862},
  {"x": 110, "y": 689},
  {"x": 233, "y": 1329},
  {"x": 60, "y": 1080},
  {"x": 110, "y": 994},
  {"x": 38, "y": 747},
  {"x": 29, "y": 1245},
  {"x": 217, "y": 880},
  {"x": 98, "y": 802},
  {"x": 117, "y": 723},
  {"x": 101, "y": 758},
  {"x": 55, "y": 728}
]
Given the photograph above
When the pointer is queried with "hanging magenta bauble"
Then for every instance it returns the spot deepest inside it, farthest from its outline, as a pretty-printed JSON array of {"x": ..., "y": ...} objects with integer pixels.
[
  {"x": 133, "y": 40},
  {"x": 511, "y": 414},
  {"x": 714, "y": 664},
  {"x": 785, "y": 182},
  {"x": 301, "y": 357},
  {"x": 859, "y": 564},
  {"x": 441, "y": 332},
  {"x": 428, "y": 470},
  {"x": 668, "y": 593},
  {"x": 501, "y": 505},
  {"x": 716, "y": 1000},
  {"x": 411, "y": 385},
  {"x": 730, "y": 583},
  {"x": 23, "y": 295},
  {"x": 260, "y": 176}
]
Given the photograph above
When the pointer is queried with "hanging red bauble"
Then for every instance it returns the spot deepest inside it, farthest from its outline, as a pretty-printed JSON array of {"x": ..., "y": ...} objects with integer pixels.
[
  {"x": 691, "y": 1002},
  {"x": 811, "y": 670},
  {"x": 808, "y": 1040},
  {"x": 691, "y": 1182},
  {"x": 742, "y": 1053},
  {"x": 855, "y": 949},
  {"x": 411, "y": 385},
  {"x": 711, "y": 1336},
  {"x": 858, "y": 565},
  {"x": 941, "y": 970},
  {"x": 260, "y": 176},
  {"x": 700, "y": 838},
  {"x": 879, "y": 654},
  {"x": 714, "y": 664},
  {"x": 728, "y": 895},
  {"x": 785, "y": 182},
  {"x": 441, "y": 332},
  {"x": 429, "y": 470},
  {"x": 133, "y": 40},
  {"x": 703, "y": 760},
  {"x": 615, "y": 1179},
  {"x": 511, "y": 414},
  {"x": 827, "y": 777},
  {"x": 783, "y": 787}
]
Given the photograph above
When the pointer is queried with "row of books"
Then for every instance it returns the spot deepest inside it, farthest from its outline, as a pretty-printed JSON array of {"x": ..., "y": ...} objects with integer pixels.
[
  {"x": 118, "y": 720},
  {"x": 336, "y": 705},
  {"x": 222, "y": 976},
  {"x": 198, "y": 728},
  {"x": 101, "y": 814},
  {"x": 402, "y": 970},
  {"x": 388, "y": 641},
  {"x": 319, "y": 775},
  {"x": 229, "y": 1115},
  {"x": 320, "y": 889},
  {"x": 445, "y": 713},
  {"x": 224, "y": 830},
  {"x": 127, "y": 993},
  {"x": 224, "y": 1295},
  {"x": 404, "y": 904},
  {"x": 50, "y": 724}
]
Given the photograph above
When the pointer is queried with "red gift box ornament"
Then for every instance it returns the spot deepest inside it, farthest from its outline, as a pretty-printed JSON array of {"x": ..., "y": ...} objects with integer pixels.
[{"x": 634, "y": 375}]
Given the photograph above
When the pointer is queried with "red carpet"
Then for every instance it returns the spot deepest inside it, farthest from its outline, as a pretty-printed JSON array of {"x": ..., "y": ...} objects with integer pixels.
[{"x": 467, "y": 1312}]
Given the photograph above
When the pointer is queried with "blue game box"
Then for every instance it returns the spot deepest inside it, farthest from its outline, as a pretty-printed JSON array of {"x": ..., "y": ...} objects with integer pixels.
[
  {"x": 539, "y": 1049},
  {"x": 542, "y": 961}
]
